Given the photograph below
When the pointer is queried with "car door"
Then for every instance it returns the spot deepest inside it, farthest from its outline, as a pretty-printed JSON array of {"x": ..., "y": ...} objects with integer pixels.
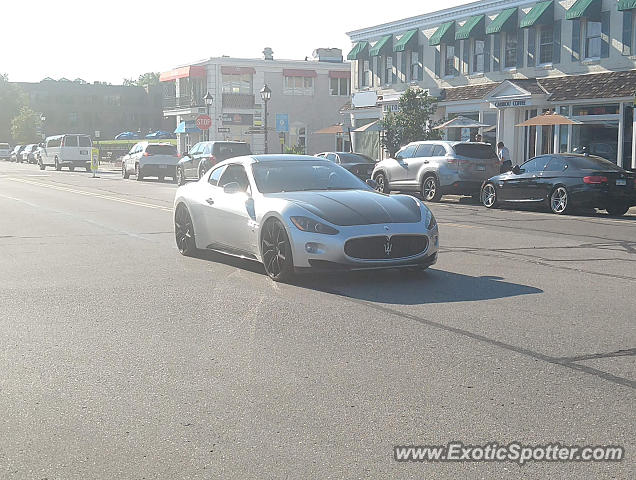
[
  {"x": 127, "y": 160},
  {"x": 530, "y": 184},
  {"x": 421, "y": 160},
  {"x": 516, "y": 184},
  {"x": 398, "y": 170},
  {"x": 228, "y": 216},
  {"x": 554, "y": 172},
  {"x": 189, "y": 167}
]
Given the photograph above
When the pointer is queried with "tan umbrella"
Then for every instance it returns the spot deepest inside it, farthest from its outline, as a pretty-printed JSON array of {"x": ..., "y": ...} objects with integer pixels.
[
  {"x": 331, "y": 130},
  {"x": 548, "y": 119}
]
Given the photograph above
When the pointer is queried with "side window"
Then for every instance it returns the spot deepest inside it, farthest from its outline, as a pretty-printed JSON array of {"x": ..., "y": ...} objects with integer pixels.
[
  {"x": 406, "y": 152},
  {"x": 424, "y": 150},
  {"x": 196, "y": 149},
  {"x": 215, "y": 175},
  {"x": 207, "y": 149},
  {"x": 556, "y": 164},
  {"x": 234, "y": 173},
  {"x": 85, "y": 141},
  {"x": 70, "y": 141},
  {"x": 133, "y": 150},
  {"x": 534, "y": 165},
  {"x": 332, "y": 157},
  {"x": 439, "y": 151}
]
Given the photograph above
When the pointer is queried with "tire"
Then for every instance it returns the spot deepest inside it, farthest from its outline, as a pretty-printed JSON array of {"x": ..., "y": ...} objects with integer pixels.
[
  {"x": 617, "y": 209},
  {"x": 41, "y": 165},
  {"x": 88, "y": 169},
  {"x": 276, "y": 252},
  {"x": 179, "y": 176},
  {"x": 202, "y": 171},
  {"x": 560, "y": 200},
  {"x": 382, "y": 183},
  {"x": 71, "y": 169},
  {"x": 124, "y": 172},
  {"x": 161, "y": 178},
  {"x": 138, "y": 174},
  {"x": 184, "y": 232},
  {"x": 489, "y": 196},
  {"x": 431, "y": 191},
  {"x": 58, "y": 167}
]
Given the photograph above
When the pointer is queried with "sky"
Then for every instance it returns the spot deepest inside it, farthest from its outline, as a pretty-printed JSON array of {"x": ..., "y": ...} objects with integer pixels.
[{"x": 123, "y": 39}]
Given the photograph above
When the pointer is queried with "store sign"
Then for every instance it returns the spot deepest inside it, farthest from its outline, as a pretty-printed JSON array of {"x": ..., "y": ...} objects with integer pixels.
[
  {"x": 237, "y": 119},
  {"x": 390, "y": 107},
  {"x": 510, "y": 103}
]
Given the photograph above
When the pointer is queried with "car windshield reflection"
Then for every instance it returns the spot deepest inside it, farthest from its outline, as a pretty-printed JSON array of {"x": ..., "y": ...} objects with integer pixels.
[{"x": 276, "y": 177}]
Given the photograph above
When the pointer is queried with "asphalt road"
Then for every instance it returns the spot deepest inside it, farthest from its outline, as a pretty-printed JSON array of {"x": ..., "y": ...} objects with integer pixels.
[{"x": 120, "y": 358}]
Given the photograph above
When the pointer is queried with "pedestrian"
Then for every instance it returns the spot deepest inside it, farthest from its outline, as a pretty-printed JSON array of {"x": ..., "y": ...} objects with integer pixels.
[
  {"x": 478, "y": 138},
  {"x": 504, "y": 157}
]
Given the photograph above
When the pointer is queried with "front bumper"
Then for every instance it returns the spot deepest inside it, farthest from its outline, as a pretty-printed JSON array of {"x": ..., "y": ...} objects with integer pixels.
[{"x": 327, "y": 252}]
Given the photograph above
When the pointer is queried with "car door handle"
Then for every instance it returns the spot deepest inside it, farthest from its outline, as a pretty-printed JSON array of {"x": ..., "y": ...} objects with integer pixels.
[{"x": 210, "y": 201}]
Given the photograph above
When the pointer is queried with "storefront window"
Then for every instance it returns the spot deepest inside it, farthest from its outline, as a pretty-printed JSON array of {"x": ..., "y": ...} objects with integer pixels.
[
  {"x": 596, "y": 139},
  {"x": 462, "y": 134},
  {"x": 546, "y": 44},
  {"x": 628, "y": 120},
  {"x": 608, "y": 109},
  {"x": 340, "y": 86}
]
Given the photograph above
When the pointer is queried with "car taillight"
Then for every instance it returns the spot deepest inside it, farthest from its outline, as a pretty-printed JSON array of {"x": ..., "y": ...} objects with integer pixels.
[
  {"x": 594, "y": 179},
  {"x": 146, "y": 154},
  {"x": 212, "y": 159},
  {"x": 451, "y": 161}
]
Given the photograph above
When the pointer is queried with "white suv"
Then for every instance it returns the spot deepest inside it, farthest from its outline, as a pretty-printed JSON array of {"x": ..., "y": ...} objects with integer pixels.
[{"x": 150, "y": 160}]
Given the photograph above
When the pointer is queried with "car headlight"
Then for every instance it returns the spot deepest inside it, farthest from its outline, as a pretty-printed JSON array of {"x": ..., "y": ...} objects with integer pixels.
[
  {"x": 432, "y": 223},
  {"x": 307, "y": 224}
]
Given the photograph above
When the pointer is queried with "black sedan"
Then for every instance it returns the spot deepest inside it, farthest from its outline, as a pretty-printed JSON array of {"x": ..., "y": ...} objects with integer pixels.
[
  {"x": 358, "y": 164},
  {"x": 564, "y": 182}
]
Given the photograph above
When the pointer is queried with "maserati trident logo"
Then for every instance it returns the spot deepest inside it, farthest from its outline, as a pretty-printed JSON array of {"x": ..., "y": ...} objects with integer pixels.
[
  {"x": 388, "y": 246},
  {"x": 386, "y": 227}
]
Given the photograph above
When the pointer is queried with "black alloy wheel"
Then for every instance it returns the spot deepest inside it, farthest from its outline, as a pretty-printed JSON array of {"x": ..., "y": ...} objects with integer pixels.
[
  {"x": 276, "y": 251},
  {"x": 180, "y": 178},
  {"x": 140, "y": 177},
  {"x": 184, "y": 232},
  {"x": 489, "y": 196},
  {"x": 382, "y": 185},
  {"x": 559, "y": 200},
  {"x": 124, "y": 171}
]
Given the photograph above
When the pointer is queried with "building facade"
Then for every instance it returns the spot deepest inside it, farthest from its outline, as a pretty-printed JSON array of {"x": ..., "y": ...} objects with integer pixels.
[
  {"x": 80, "y": 107},
  {"x": 504, "y": 61},
  {"x": 306, "y": 96}
]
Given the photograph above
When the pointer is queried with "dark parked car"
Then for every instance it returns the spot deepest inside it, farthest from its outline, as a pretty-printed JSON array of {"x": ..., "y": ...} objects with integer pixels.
[
  {"x": 203, "y": 155},
  {"x": 161, "y": 134},
  {"x": 360, "y": 165},
  {"x": 564, "y": 182},
  {"x": 127, "y": 136}
]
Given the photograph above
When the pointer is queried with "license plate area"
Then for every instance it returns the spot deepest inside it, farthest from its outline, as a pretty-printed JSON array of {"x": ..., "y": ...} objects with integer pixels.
[
  {"x": 621, "y": 182},
  {"x": 163, "y": 166},
  {"x": 480, "y": 168},
  {"x": 83, "y": 152}
]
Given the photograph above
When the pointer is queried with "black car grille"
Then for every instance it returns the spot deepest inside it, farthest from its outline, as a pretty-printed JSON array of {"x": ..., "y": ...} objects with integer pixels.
[{"x": 384, "y": 247}]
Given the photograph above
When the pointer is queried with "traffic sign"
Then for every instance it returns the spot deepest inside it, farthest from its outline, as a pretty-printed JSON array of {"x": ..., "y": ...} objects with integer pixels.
[
  {"x": 223, "y": 129},
  {"x": 282, "y": 122},
  {"x": 203, "y": 122}
]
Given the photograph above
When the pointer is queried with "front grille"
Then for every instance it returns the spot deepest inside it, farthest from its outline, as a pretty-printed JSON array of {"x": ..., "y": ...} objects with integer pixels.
[{"x": 384, "y": 247}]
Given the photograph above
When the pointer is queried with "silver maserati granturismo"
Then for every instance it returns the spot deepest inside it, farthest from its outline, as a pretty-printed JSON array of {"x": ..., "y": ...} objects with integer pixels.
[{"x": 295, "y": 213}]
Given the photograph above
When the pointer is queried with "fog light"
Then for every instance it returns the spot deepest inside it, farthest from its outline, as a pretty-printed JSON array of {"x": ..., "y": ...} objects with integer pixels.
[
  {"x": 436, "y": 240},
  {"x": 311, "y": 247}
]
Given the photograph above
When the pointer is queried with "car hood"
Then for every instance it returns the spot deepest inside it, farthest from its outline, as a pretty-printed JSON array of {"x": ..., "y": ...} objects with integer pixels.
[{"x": 355, "y": 207}]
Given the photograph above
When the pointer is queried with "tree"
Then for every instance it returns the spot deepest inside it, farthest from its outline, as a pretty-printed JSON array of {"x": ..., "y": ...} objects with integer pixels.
[
  {"x": 129, "y": 82},
  {"x": 25, "y": 127},
  {"x": 412, "y": 122},
  {"x": 149, "y": 79},
  {"x": 11, "y": 99}
]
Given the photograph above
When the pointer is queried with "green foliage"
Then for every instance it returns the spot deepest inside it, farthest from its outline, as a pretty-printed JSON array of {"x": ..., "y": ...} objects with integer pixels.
[
  {"x": 295, "y": 150},
  {"x": 11, "y": 99},
  {"x": 25, "y": 127},
  {"x": 149, "y": 79},
  {"x": 412, "y": 122}
]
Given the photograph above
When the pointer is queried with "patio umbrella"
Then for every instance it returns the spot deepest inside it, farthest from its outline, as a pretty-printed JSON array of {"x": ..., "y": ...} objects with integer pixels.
[
  {"x": 331, "y": 130},
  {"x": 460, "y": 122},
  {"x": 548, "y": 119}
]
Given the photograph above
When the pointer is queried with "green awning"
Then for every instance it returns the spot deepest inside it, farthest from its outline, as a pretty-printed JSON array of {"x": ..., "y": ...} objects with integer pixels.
[
  {"x": 473, "y": 28},
  {"x": 506, "y": 21},
  {"x": 541, "y": 14},
  {"x": 585, "y": 9},
  {"x": 444, "y": 34},
  {"x": 359, "y": 50},
  {"x": 627, "y": 4},
  {"x": 408, "y": 40},
  {"x": 381, "y": 46}
]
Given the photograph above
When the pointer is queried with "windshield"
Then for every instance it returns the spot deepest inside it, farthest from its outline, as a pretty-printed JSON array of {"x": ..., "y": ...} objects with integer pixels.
[
  {"x": 593, "y": 163},
  {"x": 354, "y": 158},
  {"x": 296, "y": 176}
]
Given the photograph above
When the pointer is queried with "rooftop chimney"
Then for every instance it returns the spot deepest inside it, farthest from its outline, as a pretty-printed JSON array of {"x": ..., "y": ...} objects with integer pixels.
[{"x": 268, "y": 53}]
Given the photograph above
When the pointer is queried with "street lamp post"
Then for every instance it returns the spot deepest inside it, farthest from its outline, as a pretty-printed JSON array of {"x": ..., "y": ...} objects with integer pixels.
[
  {"x": 209, "y": 99},
  {"x": 42, "y": 120},
  {"x": 266, "y": 95}
]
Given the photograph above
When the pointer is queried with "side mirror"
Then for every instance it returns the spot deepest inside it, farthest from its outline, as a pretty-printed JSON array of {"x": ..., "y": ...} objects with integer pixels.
[
  {"x": 372, "y": 183},
  {"x": 185, "y": 153},
  {"x": 231, "y": 188},
  {"x": 516, "y": 170}
]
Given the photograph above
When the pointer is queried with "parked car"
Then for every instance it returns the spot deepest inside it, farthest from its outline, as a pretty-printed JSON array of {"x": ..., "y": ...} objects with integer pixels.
[
  {"x": 313, "y": 215},
  {"x": 27, "y": 153},
  {"x": 37, "y": 153},
  {"x": 127, "y": 136},
  {"x": 436, "y": 168},
  {"x": 68, "y": 150},
  {"x": 160, "y": 134},
  {"x": 5, "y": 151},
  {"x": 204, "y": 155},
  {"x": 16, "y": 153},
  {"x": 150, "y": 160},
  {"x": 564, "y": 182},
  {"x": 358, "y": 164}
]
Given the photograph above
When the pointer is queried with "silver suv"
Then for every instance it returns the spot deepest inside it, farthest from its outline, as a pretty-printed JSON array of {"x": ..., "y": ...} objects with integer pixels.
[{"x": 436, "y": 168}]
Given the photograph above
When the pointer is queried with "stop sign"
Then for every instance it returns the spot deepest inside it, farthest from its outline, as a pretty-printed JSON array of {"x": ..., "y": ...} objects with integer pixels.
[{"x": 203, "y": 122}]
